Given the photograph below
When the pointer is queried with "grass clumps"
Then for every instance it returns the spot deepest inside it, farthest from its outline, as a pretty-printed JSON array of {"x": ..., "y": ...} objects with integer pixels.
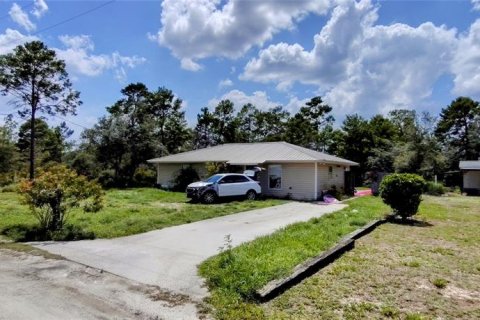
[
  {"x": 440, "y": 283},
  {"x": 234, "y": 275},
  {"x": 389, "y": 312}
]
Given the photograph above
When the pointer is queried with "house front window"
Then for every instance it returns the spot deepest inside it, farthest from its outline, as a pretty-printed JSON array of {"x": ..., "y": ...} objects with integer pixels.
[{"x": 275, "y": 176}]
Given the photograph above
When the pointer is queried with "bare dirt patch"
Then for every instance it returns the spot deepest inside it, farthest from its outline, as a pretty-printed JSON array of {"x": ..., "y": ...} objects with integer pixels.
[{"x": 169, "y": 205}]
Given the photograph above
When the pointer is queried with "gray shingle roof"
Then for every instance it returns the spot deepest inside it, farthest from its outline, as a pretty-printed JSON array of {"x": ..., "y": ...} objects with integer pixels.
[
  {"x": 253, "y": 153},
  {"x": 469, "y": 165}
]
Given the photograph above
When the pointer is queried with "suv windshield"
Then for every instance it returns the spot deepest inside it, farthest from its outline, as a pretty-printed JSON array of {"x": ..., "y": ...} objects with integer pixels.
[{"x": 214, "y": 178}]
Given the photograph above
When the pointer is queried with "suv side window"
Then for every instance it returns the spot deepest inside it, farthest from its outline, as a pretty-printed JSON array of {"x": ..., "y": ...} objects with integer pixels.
[
  {"x": 240, "y": 179},
  {"x": 227, "y": 179}
]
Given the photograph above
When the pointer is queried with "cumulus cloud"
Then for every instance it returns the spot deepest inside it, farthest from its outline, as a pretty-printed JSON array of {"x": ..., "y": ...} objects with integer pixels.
[
  {"x": 21, "y": 18},
  {"x": 190, "y": 65},
  {"x": 39, "y": 8},
  {"x": 466, "y": 64},
  {"x": 196, "y": 29},
  {"x": 12, "y": 38},
  {"x": 476, "y": 5},
  {"x": 225, "y": 83},
  {"x": 239, "y": 98},
  {"x": 259, "y": 99},
  {"x": 356, "y": 63},
  {"x": 80, "y": 59}
]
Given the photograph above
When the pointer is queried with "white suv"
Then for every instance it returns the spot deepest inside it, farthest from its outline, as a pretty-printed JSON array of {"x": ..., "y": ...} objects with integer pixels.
[{"x": 224, "y": 185}]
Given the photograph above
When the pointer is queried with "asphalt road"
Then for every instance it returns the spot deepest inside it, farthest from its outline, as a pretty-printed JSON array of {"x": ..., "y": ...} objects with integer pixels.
[{"x": 32, "y": 287}]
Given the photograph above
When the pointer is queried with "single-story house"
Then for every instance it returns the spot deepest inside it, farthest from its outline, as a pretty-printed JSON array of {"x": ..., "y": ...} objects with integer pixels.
[
  {"x": 471, "y": 176},
  {"x": 289, "y": 170}
]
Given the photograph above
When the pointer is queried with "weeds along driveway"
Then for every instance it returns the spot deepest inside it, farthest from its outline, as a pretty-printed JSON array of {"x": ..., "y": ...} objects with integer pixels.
[{"x": 169, "y": 257}]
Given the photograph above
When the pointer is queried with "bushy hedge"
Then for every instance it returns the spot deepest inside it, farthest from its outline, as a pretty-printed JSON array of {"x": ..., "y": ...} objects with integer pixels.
[
  {"x": 184, "y": 177},
  {"x": 402, "y": 192},
  {"x": 434, "y": 189}
]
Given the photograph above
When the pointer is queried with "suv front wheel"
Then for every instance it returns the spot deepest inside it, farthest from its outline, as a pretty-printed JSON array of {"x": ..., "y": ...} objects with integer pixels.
[
  {"x": 209, "y": 197},
  {"x": 251, "y": 195}
]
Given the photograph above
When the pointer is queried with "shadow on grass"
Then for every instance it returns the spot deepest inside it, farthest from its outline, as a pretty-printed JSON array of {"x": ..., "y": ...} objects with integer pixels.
[
  {"x": 409, "y": 222},
  {"x": 25, "y": 233},
  {"x": 222, "y": 200}
]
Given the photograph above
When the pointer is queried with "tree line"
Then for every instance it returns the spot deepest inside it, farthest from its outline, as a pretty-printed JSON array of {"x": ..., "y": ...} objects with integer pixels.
[{"x": 146, "y": 123}]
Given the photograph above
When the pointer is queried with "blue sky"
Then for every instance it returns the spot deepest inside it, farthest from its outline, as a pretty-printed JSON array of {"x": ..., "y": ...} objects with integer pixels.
[{"x": 363, "y": 57}]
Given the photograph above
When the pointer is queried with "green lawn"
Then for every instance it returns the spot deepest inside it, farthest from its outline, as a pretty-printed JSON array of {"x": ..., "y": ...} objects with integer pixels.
[
  {"x": 428, "y": 271},
  {"x": 126, "y": 212},
  {"x": 234, "y": 275},
  {"x": 399, "y": 271}
]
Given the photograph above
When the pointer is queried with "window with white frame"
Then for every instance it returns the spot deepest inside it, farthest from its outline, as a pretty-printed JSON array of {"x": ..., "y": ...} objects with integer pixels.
[{"x": 275, "y": 176}]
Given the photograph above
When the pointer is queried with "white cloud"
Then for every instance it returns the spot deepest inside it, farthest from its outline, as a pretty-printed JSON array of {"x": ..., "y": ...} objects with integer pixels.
[
  {"x": 476, "y": 5},
  {"x": 240, "y": 98},
  {"x": 357, "y": 64},
  {"x": 21, "y": 17},
  {"x": 190, "y": 65},
  {"x": 80, "y": 59},
  {"x": 225, "y": 83},
  {"x": 259, "y": 99},
  {"x": 12, "y": 38},
  {"x": 39, "y": 9},
  {"x": 466, "y": 64},
  {"x": 196, "y": 29}
]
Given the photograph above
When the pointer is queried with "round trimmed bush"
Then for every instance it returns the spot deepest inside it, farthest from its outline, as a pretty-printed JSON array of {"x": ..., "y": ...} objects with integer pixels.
[{"x": 402, "y": 192}]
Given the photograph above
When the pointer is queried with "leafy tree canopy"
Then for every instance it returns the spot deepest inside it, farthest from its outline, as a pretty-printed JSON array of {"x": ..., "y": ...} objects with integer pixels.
[{"x": 37, "y": 82}]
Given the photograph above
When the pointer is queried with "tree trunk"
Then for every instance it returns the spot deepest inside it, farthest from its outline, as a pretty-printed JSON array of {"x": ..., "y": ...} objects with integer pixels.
[
  {"x": 32, "y": 145},
  {"x": 56, "y": 223}
]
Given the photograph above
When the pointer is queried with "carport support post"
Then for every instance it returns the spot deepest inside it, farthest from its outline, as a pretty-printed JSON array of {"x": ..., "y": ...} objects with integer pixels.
[{"x": 315, "y": 195}]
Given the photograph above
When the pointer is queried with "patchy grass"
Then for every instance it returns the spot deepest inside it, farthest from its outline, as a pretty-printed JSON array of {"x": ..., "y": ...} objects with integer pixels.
[
  {"x": 126, "y": 212},
  {"x": 234, "y": 275},
  {"x": 22, "y": 247},
  {"x": 399, "y": 271},
  {"x": 440, "y": 283}
]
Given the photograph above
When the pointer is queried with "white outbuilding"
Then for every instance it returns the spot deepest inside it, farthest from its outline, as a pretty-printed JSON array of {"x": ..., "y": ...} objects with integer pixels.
[{"x": 471, "y": 177}]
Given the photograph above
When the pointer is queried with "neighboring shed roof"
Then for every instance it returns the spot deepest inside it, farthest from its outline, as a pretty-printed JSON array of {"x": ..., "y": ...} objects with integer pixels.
[
  {"x": 470, "y": 165},
  {"x": 253, "y": 153}
]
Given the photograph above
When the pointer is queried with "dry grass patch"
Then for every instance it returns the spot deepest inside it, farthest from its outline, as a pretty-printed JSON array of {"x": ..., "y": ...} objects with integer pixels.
[{"x": 399, "y": 272}]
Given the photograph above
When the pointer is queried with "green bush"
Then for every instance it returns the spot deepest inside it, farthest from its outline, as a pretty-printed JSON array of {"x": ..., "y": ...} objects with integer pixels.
[
  {"x": 184, "y": 177},
  {"x": 334, "y": 192},
  {"x": 145, "y": 176},
  {"x": 107, "y": 178},
  {"x": 402, "y": 192},
  {"x": 9, "y": 188},
  {"x": 55, "y": 192},
  {"x": 434, "y": 189},
  {"x": 215, "y": 167}
]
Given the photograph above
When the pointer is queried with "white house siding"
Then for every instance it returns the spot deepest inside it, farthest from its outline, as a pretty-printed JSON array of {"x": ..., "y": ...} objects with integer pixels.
[
  {"x": 166, "y": 173},
  {"x": 327, "y": 180},
  {"x": 297, "y": 181},
  {"x": 471, "y": 180}
]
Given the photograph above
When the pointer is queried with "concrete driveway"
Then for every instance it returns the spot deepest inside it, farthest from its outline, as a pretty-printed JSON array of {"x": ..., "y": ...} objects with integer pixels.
[{"x": 169, "y": 257}]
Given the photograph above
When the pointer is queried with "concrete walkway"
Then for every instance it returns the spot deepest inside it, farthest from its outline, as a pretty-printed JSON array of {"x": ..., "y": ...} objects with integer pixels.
[{"x": 169, "y": 257}]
